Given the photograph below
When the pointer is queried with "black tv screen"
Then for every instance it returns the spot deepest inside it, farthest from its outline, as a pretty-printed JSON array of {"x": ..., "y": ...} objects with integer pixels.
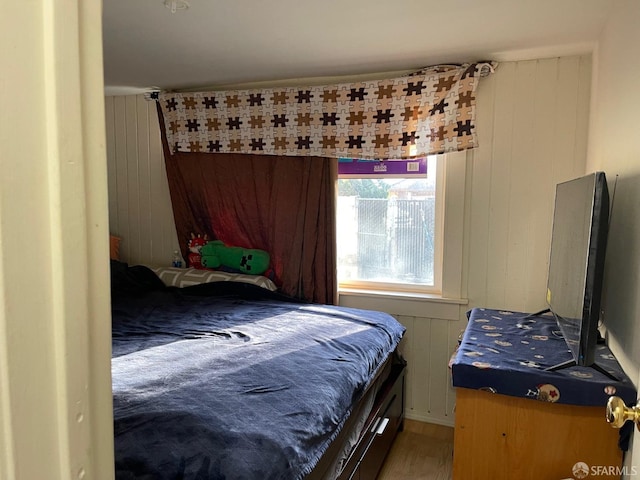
[{"x": 576, "y": 264}]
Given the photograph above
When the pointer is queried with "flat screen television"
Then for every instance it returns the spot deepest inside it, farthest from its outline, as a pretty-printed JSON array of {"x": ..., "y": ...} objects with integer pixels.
[{"x": 576, "y": 264}]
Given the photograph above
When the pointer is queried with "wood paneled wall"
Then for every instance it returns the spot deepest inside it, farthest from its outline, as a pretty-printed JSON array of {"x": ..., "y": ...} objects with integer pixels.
[
  {"x": 532, "y": 122},
  {"x": 532, "y": 119},
  {"x": 139, "y": 203},
  {"x": 427, "y": 346}
]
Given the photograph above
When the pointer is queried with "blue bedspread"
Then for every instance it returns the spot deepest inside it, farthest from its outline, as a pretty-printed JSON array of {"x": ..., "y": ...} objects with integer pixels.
[{"x": 221, "y": 387}]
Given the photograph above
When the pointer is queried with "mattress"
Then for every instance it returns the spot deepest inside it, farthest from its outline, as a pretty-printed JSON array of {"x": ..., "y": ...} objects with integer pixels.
[{"x": 232, "y": 381}]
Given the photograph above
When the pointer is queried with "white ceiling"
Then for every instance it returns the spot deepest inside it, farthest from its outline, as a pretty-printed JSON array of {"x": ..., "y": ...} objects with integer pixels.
[{"x": 225, "y": 42}]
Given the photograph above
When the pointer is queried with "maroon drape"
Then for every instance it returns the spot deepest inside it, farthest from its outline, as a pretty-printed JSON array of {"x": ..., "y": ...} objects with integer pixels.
[{"x": 283, "y": 205}]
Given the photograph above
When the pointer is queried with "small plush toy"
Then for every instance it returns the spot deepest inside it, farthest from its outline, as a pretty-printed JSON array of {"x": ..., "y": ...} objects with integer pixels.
[
  {"x": 194, "y": 244},
  {"x": 216, "y": 254}
]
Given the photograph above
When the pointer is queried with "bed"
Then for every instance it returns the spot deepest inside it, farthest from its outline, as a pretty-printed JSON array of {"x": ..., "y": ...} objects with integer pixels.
[{"x": 230, "y": 380}]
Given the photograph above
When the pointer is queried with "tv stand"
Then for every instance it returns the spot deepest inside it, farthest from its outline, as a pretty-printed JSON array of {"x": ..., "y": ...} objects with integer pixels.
[
  {"x": 572, "y": 363},
  {"x": 499, "y": 437},
  {"x": 522, "y": 410},
  {"x": 537, "y": 314}
]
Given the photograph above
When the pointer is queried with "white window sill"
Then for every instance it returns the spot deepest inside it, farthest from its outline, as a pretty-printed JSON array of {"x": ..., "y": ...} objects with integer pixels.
[
  {"x": 414, "y": 304},
  {"x": 407, "y": 295}
]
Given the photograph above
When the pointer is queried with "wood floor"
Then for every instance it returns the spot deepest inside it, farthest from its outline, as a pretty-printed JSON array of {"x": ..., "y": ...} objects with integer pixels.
[{"x": 422, "y": 451}]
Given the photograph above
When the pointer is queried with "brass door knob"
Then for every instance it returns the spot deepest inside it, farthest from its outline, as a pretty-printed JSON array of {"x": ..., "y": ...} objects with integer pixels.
[{"x": 618, "y": 413}]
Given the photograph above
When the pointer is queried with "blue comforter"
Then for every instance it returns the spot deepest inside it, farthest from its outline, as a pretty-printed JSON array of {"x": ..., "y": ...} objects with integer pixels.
[{"x": 223, "y": 387}]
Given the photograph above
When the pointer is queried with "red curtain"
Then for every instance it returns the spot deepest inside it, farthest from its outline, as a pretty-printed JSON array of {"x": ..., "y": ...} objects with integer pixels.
[{"x": 283, "y": 205}]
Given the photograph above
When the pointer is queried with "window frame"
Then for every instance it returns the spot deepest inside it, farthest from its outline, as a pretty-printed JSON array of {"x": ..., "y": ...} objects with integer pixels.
[
  {"x": 436, "y": 288},
  {"x": 451, "y": 198}
]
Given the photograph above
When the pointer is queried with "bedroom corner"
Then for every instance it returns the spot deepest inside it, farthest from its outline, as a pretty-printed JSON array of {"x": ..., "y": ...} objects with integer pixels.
[
  {"x": 79, "y": 164},
  {"x": 498, "y": 175}
]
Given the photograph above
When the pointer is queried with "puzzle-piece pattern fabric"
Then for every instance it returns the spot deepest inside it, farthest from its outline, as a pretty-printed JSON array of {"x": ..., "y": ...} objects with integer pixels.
[{"x": 429, "y": 112}]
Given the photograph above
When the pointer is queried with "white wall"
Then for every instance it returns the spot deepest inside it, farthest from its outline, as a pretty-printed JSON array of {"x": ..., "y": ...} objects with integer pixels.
[
  {"x": 532, "y": 127},
  {"x": 139, "y": 203},
  {"x": 614, "y": 147},
  {"x": 55, "y": 383}
]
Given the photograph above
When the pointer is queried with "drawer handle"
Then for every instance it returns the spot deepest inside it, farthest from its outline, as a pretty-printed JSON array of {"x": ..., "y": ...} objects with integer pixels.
[{"x": 382, "y": 426}]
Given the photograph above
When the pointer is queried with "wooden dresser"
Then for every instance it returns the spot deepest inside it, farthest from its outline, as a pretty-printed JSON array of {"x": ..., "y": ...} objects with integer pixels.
[
  {"x": 498, "y": 437},
  {"x": 515, "y": 419}
]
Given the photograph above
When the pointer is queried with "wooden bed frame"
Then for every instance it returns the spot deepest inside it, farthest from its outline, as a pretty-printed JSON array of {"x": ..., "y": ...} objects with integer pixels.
[{"x": 380, "y": 429}]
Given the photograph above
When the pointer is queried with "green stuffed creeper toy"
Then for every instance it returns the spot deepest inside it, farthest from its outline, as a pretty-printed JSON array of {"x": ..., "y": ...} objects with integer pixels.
[{"x": 251, "y": 261}]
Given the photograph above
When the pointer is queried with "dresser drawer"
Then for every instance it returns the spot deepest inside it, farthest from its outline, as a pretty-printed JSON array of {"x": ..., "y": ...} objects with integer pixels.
[{"x": 382, "y": 428}]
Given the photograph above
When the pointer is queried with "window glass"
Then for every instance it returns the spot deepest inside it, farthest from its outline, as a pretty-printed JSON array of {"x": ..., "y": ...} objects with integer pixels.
[{"x": 387, "y": 230}]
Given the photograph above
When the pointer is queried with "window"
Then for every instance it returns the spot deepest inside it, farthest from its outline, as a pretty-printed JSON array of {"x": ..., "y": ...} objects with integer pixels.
[{"x": 389, "y": 227}]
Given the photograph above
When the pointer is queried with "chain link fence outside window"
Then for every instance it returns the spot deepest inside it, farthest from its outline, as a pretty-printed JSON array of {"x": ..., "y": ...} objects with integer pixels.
[{"x": 386, "y": 240}]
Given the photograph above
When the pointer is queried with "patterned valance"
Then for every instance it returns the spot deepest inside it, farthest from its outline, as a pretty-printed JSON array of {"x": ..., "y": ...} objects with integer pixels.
[{"x": 428, "y": 112}]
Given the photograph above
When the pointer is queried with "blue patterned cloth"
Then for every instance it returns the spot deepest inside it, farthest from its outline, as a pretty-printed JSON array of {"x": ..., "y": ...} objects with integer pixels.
[{"x": 509, "y": 352}]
